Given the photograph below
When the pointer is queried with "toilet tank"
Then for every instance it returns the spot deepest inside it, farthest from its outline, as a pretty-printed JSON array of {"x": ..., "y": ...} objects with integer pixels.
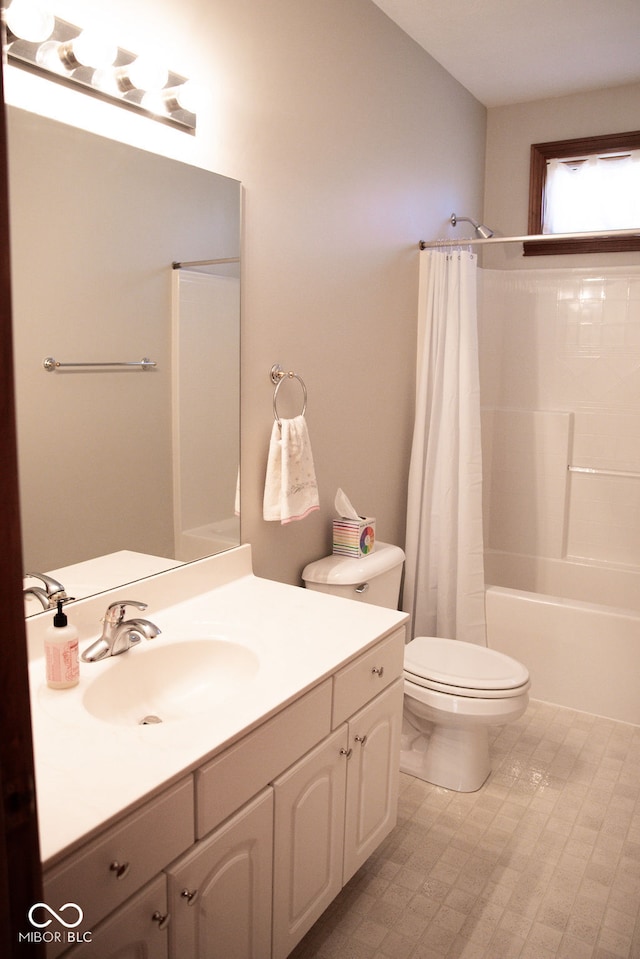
[{"x": 371, "y": 579}]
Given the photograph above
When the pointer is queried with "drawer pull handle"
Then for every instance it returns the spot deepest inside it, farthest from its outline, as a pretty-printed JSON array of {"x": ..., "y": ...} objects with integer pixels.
[
  {"x": 189, "y": 896},
  {"x": 120, "y": 868},
  {"x": 163, "y": 921},
  {"x": 346, "y": 752},
  {"x": 360, "y": 739},
  {"x": 362, "y": 588},
  {"x": 378, "y": 670}
]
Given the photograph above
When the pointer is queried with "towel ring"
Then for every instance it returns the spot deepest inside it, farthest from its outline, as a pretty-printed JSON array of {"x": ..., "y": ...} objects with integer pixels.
[{"x": 278, "y": 377}]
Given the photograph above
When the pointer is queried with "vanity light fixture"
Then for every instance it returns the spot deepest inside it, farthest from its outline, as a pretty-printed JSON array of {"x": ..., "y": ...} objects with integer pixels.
[{"x": 38, "y": 41}]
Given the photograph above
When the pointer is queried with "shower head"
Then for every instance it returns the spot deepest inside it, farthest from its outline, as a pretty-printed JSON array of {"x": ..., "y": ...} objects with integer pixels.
[{"x": 482, "y": 230}]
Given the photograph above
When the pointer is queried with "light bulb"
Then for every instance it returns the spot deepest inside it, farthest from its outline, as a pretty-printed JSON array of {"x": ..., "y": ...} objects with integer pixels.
[
  {"x": 155, "y": 103},
  {"x": 93, "y": 49},
  {"x": 167, "y": 101},
  {"x": 30, "y": 21},
  {"x": 146, "y": 74},
  {"x": 48, "y": 56},
  {"x": 106, "y": 81},
  {"x": 188, "y": 96}
]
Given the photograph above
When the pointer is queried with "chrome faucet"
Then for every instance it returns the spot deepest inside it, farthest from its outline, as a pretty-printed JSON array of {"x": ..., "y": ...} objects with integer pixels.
[
  {"x": 49, "y": 593},
  {"x": 120, "y": 634}
]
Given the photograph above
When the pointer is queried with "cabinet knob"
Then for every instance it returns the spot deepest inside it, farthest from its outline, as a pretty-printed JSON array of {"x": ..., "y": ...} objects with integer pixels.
[
  {"x": 346, "y": 752},
  {"x": 360, "y": 739},
  {"x": 378, "y": 670},
  {"x": 120, "y": 868},
  {"x": 163, "y": 921},
  {"x": 189, "y": 896}
]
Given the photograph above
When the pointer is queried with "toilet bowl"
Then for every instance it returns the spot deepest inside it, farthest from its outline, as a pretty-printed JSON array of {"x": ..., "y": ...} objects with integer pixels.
[{"x": 453, "y": 690}]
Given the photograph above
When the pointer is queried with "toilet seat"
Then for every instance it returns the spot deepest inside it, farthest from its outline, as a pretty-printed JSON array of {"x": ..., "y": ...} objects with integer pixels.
[{"x": 463, "y": 669}]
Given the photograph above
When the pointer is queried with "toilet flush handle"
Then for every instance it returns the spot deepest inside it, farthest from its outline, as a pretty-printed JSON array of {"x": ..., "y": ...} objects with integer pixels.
[{"x": 362, "y": 588}]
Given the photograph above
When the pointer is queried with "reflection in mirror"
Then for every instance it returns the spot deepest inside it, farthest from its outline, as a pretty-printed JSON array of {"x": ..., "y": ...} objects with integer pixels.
[{"x": 124, "y": 471}]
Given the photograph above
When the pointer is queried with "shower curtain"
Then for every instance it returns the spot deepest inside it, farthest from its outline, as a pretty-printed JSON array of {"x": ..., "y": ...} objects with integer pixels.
[{"x": 444, "y": 580}]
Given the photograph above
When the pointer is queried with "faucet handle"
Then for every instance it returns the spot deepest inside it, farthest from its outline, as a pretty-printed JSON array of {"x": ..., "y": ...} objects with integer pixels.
[{"x": 116, "y": 611}]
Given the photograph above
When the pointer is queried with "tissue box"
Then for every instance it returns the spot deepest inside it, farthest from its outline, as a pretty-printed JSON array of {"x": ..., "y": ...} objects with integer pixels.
[{"x": 354, "y": 537}]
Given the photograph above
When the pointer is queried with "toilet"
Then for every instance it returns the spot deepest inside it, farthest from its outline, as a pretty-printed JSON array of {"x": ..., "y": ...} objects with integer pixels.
[{"x": 453, "y": 690}]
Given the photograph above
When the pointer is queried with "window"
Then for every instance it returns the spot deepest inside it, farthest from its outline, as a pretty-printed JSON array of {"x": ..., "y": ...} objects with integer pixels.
[{"x": 588, "y": 184}]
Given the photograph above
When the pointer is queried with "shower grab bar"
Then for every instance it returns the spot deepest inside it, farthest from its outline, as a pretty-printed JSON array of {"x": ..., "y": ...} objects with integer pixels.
[
  {"x": 629, "y": 474},
  {"x": 51, "y": 364}
]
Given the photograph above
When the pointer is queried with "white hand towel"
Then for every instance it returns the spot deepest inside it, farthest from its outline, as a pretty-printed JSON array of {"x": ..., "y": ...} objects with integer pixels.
[{"x": 290, "y": 489}]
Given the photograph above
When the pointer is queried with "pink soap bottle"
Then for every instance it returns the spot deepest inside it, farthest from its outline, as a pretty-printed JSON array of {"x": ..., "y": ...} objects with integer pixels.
[{"x": 61, "y": 652}]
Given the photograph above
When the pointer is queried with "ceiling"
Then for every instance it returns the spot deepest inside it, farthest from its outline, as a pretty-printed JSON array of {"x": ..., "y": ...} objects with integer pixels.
[{"x": 510, "y": 51}]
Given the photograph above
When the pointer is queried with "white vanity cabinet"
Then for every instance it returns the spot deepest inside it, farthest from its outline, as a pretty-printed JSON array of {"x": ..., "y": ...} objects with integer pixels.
[
  {"x": 137, "y": 930},
  {"x": 309, "y": 840},
  {"x": 373, "y": 775},
  {"x": 239, "y": 858},
  {"x": 332, "y": 809},
  {"x": 110, "y": 869},
  {"x": 220, "y": 893}
]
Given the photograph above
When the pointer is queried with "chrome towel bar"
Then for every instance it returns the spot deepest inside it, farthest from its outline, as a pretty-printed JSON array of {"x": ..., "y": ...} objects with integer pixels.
[{"x": 145, "y": 363}]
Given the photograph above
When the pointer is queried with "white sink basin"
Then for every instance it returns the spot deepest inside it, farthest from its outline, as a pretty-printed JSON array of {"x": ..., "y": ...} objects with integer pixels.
[{"x": 172, "y": 682}]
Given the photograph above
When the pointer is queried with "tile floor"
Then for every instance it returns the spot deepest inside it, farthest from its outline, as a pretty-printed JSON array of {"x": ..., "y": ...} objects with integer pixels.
[{"x": 543, "y": 862}]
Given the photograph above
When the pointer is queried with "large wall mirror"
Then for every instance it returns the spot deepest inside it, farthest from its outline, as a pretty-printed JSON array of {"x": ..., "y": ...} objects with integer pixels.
[{"x": 138, "y": 464}]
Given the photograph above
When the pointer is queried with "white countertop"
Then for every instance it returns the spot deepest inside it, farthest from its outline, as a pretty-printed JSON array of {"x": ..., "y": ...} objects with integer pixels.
[
  {"x": 99, "y": 574},
  {"x": 88, "y": 771}
]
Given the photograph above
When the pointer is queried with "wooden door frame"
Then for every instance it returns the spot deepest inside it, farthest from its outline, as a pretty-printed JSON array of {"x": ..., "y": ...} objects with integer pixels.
[{"x": 20, "y": 870}]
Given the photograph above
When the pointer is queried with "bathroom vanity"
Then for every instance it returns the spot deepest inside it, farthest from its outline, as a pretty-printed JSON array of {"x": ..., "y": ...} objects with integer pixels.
[{"x": 229, "y": 826}]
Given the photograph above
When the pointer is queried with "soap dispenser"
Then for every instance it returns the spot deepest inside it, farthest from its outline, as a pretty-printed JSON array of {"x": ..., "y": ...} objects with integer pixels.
[{"x": 61, "y": 652}]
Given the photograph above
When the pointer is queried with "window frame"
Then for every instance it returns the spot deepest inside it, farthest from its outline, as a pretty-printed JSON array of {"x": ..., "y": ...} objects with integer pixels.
[{"x": 560, "y": 149}]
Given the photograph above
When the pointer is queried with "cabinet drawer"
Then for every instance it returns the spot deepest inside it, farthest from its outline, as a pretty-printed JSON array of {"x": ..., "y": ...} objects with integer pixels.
[
  {"x": 142, "y": 844},
  {"x": 230, "y": 780},
  {"x": 367, "y": 676},
  {"x": 139, "y": 928}
]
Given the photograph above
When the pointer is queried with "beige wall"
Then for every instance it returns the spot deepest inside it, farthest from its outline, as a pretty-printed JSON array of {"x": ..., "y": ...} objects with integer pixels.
[
  {"x": 352, "y": 144},
  {"x": 510, "y": 132}
]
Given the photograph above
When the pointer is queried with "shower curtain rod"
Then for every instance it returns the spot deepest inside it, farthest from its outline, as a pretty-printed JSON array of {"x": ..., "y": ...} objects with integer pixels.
[{"x": 592, "y": 235}]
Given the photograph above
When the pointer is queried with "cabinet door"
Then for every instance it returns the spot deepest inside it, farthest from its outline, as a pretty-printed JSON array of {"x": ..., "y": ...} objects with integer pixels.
[
  {"x": 107, "y": 871},
  {"x": 137, "y": 930},
  {"x": 309, "y": 837},
  {"x": 372, "y": 776},
  {"x": 220, "y": 893}
]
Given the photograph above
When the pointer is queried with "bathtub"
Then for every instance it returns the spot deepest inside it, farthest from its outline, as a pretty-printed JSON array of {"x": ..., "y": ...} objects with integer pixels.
[
  {"x": 205, "y": 540},
  {"x": 579, "y": 654}
]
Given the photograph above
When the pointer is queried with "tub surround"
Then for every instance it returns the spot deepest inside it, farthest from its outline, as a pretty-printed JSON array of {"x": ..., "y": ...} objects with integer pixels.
[
  {"x": 587, "y": 581},
  {"x": 90, "y": 772},
  {"x": 559, "y": 364},
  {"x": 579, "y": 655}
]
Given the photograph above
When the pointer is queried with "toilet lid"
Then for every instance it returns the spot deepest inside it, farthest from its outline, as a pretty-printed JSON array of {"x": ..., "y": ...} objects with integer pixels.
[{"x": 452, "y": 663}]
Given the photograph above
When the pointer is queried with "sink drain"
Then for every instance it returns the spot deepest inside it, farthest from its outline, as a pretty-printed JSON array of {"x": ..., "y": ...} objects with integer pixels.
[{"x": 149, "y": 721}]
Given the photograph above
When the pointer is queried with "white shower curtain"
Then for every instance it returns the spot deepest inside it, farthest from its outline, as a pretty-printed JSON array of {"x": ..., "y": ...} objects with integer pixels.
[{"x": 444, "y": 580}]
